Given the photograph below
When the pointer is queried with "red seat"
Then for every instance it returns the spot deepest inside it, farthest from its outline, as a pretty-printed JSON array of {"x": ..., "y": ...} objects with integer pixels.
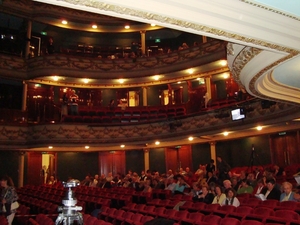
[
  {"x": 157, "y": 211},
  {"x": 270, "y": 203},
  {"x": 240, "y": 212},
  {"x": 251, "y": 222},
  {"x": 282, "y": 216},
  {"x": 187, "y": 205},
  {"x": 143, "y": 220},
  {"x": 260, "y": 214},
  {"x": 286, "y": 205},
  {"x": 148, "y": 210},
  {"x": 224, "y": 210},
  {"x": 211, "y": 220},
  {"x": 135, "y": 218},
  {"x": 230, "y": 221},
  {"x": 192, "y": 218},
  {"x": 179, "y": 216}
]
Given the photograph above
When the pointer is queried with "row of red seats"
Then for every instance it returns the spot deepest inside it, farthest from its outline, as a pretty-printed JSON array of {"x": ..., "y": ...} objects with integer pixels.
[
  {"x": 40, "y": 219},
  {"x": 90, "y": 220}
]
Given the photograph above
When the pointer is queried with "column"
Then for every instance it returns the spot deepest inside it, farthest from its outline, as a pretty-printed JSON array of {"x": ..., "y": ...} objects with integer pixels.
[
  {"x": 28, "y": 36},
  {"x": 24, "y": 96},
  {"x": 213, "y": 151},
  {"x": 204, "y": 39},
  {"x": 146, "y": 159},
  {"x": 145, "y": 99},
  {"x": 207, "y": 96},
  {"x": 143, "y": 41},
  {"x": 21, "y": 169}
]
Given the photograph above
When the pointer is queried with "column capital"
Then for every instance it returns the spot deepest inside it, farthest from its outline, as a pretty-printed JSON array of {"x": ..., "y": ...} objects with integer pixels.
[
  {"x": 142, "y": 31},
  {"x": 212, "y": 143},
  {"x": 21, "y": 153}
]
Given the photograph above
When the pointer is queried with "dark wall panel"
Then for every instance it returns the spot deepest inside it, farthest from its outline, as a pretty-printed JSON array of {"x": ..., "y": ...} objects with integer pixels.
[
  {"x": 76, "y": 165},
  {"x": 157, "y": 160},
  {"x": 135, "y": 161},
  {"x": 200, "y": 155},
  {"x": 239, "y": 152},
  {"x": 9, "y": 165}
]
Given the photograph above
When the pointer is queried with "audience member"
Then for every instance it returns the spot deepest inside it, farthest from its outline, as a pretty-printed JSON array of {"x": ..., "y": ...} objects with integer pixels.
[
  {"x": 231, "y": 198},
  {"x": 180, "y": 185},
  {"x": 210, "y": 167},
  {"x": 205, "y": 196},
  {"x": 220, "y": 196},
  {"x": 223, "y": 169},
  {"x": 245, "y": 187},
  {"x": 288, "y": 194},
  {"x": 259, "y": 187},
  {"x": 271, "y": 192}
]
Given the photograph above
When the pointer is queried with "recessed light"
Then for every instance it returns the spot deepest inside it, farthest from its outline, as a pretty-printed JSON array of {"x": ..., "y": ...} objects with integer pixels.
[
  {"x": 121, "y": 81},
  {"x": 50, "y": 147},
  {"x": 190, "y": 71},
  {"x": 225, "y": 75},
  {"x": 156, "y": 77},
  {"x": 259, "y": 128},
  {"x": 127, "y": 27},
  {"x": 55, "y": 78},
  {"x": 223, "y": 62},
  {"x": 86, "y": 147},
  {"x": 64, "y": 22},
  {"x": 153, "y": 24},
  {"x": 157, "y": 142},
  {"x": 122, "y": 146},
  {"x": 225, "y": 133},
  {"x": 179, "y": 82},
  {"x": 94, "y": 26},
  {"x": 191, "y": 138},
  {"x": 86, "y": 80}
]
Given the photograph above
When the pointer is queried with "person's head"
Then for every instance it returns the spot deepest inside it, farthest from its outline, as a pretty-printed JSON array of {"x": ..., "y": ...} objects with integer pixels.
[
  {"x": 234, "y": 181},
  {"x": 242, "y": 175},
  {"x": 204, "y": 190},
  {"x": 212, "y": 161},
  {"x": 287, "y": 187},
  {"x": 6, "y": 181},
  {"x": 51, "y": 178},
  {"x": 96, "y": 176},
  {"x": 251, "y": 177},
  {"x": 219, "y": 159},
  {"x": 170, "y": 172},
  {"x": 245, "y": 183},
  {"x": 187, "y": 169},
  {"x": 261, "y": 182},
  {"x": 209, "y": 174},
  {"x": 227, "y": 184},
  {"x": 218, "y": 190},
  {"x": 270, "y": 184},
  {"x": 230, "y": 193}
]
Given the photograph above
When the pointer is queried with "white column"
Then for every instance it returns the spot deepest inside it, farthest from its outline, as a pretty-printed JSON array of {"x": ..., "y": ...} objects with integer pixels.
[
  {"x": 207, "y": 96},
  {"x": 145, "y": 97},
  {"x": 146, "y": 159},
  {"x": 24, "y": 96},
  {"x": 204, "y": 39},
  {"x": 143, "y": 41},
  {"x": 213, "y": 154},
  {"x": 29, "y": 28},
  {"x": 21, "y": 169}
]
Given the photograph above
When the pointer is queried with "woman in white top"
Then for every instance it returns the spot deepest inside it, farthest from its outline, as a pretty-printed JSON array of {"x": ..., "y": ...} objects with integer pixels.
[
  {"x": 230, "y": 198},
  {"x": 220, "y": 197}
]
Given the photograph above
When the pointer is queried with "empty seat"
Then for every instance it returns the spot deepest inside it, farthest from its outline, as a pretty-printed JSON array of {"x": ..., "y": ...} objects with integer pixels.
[
  {"x": 192, "y": 218},
  {"x": 229, "y": 221}
]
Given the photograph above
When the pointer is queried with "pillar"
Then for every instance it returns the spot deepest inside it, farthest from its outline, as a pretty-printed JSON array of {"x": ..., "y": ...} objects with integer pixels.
[
  {"x": 145, "y": 99},
  {"x": 207, "y": 96},
  {"x": 146, "y": 159},
  {"x": 204, "y": 39},
  {"x": 143, "y": 41},
  {"x": 28, "y": 36},
  {"x": 24, "y": 96},
  {"x": 213, "y": 154},
  {"x": 21, "y": 169}
]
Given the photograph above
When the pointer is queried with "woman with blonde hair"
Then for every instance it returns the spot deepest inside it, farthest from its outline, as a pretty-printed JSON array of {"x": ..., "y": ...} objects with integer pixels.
[{"x": 8, "y": 196}]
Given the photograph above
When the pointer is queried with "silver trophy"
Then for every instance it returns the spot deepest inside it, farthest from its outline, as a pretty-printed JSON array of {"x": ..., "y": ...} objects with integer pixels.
[{"x": 69, "y": 211}]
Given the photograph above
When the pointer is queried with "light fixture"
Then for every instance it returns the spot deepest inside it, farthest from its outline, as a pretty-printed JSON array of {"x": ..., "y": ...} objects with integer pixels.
[
  {"x": 223, "y": 62},
  {"x": 225, "y": 75},
  {"x": 121, "y": 81},
  {"x": 50, "y": 147},
  {"x": 122, "y": 146},
  {"x": 225, "y": 133},
  {"x": 94, "y": 26},
  {"x": 259, "y": 128},
  {"x": 85, "y": 80},
  {"x": 86, "y": 147},
  {"x": 153, "y": 24},
  {"x": 157, "y": 142},
  {"x": 64, "y": 22},
  {"x": 127, "y": 27},
  {"x": 55, "y": 78},
  {"x": 191, "y": 138},
  {"x": 179, "y": 82},
  {"x": 156, "y": 77},
  {"x": 190, "y": 71}
]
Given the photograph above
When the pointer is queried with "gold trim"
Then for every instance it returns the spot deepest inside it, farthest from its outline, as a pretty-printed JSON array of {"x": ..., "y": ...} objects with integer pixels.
[{"x": 270, "y": 9}]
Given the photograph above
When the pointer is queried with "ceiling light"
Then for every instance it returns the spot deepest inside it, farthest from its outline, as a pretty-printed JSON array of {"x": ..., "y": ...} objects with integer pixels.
[
  {"x": 259, "y": 128},
  {"x": 223, "y": 62},
  {"x": 153, "y": 24},
  {"x": 94, "y": 26},
  {"x": 127, "y": 27},
  {"x": 157, "y": 142},
  {"x": 156, "y": 77},
  {"x": 55, "y": 78},
  {"x": 122, "y": 146},
  {"x": 86, "y": 147},
  {"x": 50, "y": 147},
  {"x": 64, "y": 22},
  {"x": 121, "y": 81},
  {"x": 225, "y": 75},
  {"x": 190, "y": 71},
  {"x": 179, "y": 82},
  {"x": 86, "y": 80},
  {"x": 225, "y": 133},
  {"x": 191, "y": 138}
]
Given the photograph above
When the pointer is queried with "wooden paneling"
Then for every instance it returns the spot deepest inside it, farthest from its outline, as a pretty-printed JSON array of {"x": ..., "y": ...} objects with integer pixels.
[
  {"x": 112, "y": 161},
  {"x": 178, "y": 157},
  {"x": 34, "y": 168}
]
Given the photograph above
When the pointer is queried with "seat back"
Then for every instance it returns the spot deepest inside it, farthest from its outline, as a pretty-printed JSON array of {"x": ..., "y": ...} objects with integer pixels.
[{"x": 229, "y": 221}]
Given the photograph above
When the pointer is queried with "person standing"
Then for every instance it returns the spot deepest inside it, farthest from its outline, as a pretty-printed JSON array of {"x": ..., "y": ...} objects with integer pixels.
[
  {"x": 223, "y": 168},
  {"x": 73, "y": 103},
  {"x": 8, "y": 196}
]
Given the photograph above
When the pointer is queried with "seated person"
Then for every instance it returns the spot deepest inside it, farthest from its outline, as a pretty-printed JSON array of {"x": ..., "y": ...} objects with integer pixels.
[
  {"x": 288, "y": 194},
  {"x": 271, "y": 192},
  {"x": 245, "y": 187},
  {"x": 231, "y": 198},
  {"x": 259, "y": 187},
  {"x": 180, "y": 186},
  {"x": 206, "y": 196},
  {"x": 220, "y": 196}
]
